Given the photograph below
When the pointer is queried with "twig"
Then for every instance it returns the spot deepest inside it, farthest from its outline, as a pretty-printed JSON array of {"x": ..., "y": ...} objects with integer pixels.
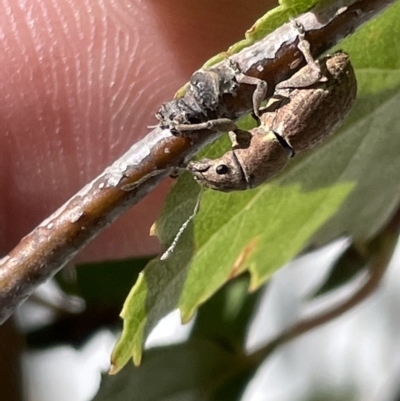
[{"x": 44, "y": 251}]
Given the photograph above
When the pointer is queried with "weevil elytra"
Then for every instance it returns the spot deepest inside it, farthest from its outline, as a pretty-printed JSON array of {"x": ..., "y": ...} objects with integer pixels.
[{"x": 295, "y": 120}]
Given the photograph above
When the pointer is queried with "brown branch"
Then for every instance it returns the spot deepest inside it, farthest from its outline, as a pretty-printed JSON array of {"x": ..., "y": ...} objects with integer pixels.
[
  {"x": 380, "y": 251},
  {"x": 54, "y": 242}
]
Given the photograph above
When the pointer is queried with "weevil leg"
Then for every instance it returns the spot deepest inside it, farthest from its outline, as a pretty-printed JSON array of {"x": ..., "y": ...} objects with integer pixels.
[
  {"x": 260, "y": 91},
  {"x": 219, "y": 125},
  {"x": 304, "y": 47},
  {"x": 314, "y": 73}
]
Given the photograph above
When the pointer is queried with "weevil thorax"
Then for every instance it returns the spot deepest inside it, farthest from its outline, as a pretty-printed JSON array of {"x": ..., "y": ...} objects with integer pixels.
[
  {"x": 204, "y": 89},
  {"x": 207, "y": 86},
  {"x": 223, "y": 174},
  {"x": 199, "y": 103},
  {"x": 202, "y": 100}
]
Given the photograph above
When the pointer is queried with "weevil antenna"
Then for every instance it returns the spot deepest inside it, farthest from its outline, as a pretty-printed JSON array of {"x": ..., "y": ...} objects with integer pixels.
[{"x": 171, "y": 248}]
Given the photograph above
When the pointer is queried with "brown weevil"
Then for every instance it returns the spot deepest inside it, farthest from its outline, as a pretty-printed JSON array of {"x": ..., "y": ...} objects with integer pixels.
[{"x": 295, "y": 120}]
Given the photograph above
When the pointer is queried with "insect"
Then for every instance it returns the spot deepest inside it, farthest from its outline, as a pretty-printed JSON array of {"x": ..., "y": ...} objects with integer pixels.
[
  {"x": 201, "y": 107},
  {"x": 303, "y": 111},
  {"x": 296, "y": 119}
]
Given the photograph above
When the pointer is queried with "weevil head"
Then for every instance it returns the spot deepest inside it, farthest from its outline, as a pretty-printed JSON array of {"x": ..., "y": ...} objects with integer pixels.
[
  {"x": 223, "y": 174},
  {"x": 169, "y": 114}
]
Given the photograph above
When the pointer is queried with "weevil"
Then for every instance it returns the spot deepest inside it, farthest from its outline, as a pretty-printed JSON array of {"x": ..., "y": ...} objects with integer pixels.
[
  {"x": 202, "y": 108},
  {"x": 295, "y": 120}
]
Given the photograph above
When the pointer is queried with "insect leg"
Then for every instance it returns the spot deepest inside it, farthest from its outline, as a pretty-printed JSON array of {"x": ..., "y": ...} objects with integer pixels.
[
  {"x": 259, "y": 93},
  {"x": 219, "y": 125},
  {"x": 304, "y": 47},
  {"x": 312, "y": 74}
]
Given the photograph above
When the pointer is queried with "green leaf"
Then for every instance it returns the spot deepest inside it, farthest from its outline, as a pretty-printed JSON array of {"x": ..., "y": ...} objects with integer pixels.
[
  {"x": 349, "y": 185},
  {"x": 159, "y": 286},
  {"x": 197, "y": 370}
]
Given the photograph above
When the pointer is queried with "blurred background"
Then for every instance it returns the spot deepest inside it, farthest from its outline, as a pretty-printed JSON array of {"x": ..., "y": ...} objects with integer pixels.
[{"x": 59, "y": 342}]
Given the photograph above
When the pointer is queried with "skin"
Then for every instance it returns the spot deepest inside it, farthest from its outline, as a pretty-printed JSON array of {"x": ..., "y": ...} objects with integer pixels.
[{"x": 80, "y": 80}]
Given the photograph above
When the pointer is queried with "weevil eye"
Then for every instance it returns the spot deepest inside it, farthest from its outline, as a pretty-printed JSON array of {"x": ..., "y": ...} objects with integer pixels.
[{"x": 221, "y": 169}]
